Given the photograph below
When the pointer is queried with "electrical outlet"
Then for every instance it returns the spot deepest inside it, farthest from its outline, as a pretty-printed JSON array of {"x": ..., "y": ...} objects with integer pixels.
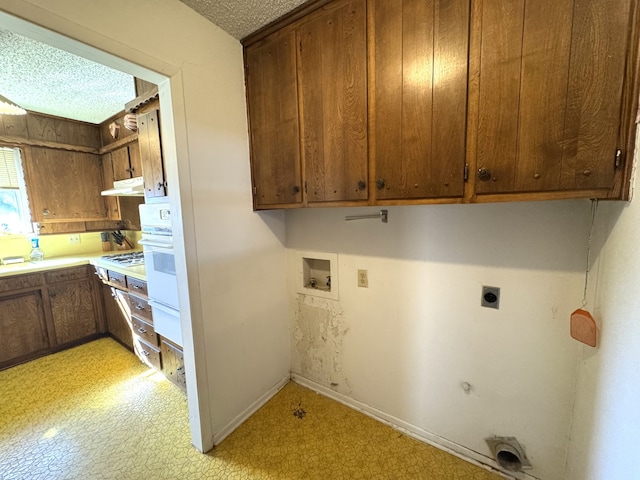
[
  {"x": 363, "y": 279},
  {"x": 490, "y": 297},
  {"x": 73, "y": 239}
]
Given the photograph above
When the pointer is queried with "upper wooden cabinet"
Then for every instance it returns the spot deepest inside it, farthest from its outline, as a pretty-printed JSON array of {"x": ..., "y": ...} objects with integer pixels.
[
  {"x": 126, "y": 162},
  {"x": 150, "y": 145},
  {"x": 333, "y": 92},
  {"x": 63, "y": 186},
  {"x": 272, "y": 96},
  {"x": 433, "y": 101},
  {"x": 419, "y": 90},
  {"x": 551, "y": 82}
]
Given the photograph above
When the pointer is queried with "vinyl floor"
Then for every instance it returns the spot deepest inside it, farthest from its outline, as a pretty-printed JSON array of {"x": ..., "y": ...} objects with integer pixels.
[{"x": 95, "y": 412}]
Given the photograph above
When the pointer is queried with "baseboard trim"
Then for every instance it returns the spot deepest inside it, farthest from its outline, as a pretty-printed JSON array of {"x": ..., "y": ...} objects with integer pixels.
[
  {"x": 410, "y": 430},
  {"x": 225, "y": 431}
]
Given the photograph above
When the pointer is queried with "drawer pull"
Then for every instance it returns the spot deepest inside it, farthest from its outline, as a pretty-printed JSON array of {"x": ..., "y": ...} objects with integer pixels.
[
  {"x": 142, "y": 330},
  {"x": 139, "y": 307},
  {"x": 137, "y": 287},
  {"x": 145, "y": 353}
]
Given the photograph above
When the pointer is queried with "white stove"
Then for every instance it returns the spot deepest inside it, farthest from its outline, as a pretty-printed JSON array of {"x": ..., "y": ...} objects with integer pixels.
[{"x": 125, "y": 259}]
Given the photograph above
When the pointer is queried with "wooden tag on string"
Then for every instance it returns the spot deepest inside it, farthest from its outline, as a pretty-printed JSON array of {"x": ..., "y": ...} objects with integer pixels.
[{"x": 583, "y": 327}]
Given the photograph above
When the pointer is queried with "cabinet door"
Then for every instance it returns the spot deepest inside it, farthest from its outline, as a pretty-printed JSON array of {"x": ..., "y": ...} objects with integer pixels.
[
  {"x": 151, "y": 154},
  {"x": 333, "y": 83},
  {"x": 551, "y": 79},
  {"x": 64, "y": 186},
  {"x": 173, "y": 363},
  {"x": 118, "y": 315},
  {"x": 73, "y": 311},
  {"x": 272, "y": 97},
  {"x": 121, "y": 166},
  {"x": 22, "y": 326},
  {"x": 135, "y": 162},
  {"x": 420, "y": 97}
]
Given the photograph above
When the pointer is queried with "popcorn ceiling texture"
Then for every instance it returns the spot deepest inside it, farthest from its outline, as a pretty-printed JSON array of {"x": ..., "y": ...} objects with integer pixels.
[
  {"x": 47, "y": 80},
  {"x": 242, "y": 17}
]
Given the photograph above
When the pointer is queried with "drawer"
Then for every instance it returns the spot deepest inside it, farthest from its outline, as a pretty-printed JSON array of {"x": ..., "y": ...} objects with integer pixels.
[
  {"x": 118, "y": 279},
  {"x": 140, "y": 307},
  {"x": 102, "y": 273},
  {"x": 137, "y": 286},
  {"x": 66, "y": 274},
  {"x": 149, "y": 354},
  {"x": 144, "y": 330},
  {"x": 19, "y": 282}
]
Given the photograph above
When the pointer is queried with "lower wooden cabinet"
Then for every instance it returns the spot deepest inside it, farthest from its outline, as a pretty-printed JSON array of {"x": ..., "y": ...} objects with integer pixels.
[
  {"x": 73, "y": 311},
  {"x": 44, "y": 312},
  {"x": 117, "y": 315},
  {"x": 23, "y": 326},
  {"x": 173, "y": 363},
  {"x": 129, "y": 319}
]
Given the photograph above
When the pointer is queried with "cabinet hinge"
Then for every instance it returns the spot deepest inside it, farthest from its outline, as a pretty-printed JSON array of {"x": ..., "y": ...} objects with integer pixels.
[
  {"x": 618, "y": 159},
  {"x": 466, "y": 172},
  {"x": 255, "y": 190}
]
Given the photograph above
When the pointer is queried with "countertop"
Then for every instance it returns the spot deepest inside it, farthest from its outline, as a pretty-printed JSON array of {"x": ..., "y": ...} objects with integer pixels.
[{"x": 138, "y": 271}]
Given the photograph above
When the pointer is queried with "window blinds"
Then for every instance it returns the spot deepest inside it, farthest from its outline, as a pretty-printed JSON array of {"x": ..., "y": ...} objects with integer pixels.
[{"x": 9, "y": 168}]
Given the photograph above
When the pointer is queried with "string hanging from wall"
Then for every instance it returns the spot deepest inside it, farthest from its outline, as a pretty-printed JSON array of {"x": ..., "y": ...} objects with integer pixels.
[{"x": 583, "y": 325}]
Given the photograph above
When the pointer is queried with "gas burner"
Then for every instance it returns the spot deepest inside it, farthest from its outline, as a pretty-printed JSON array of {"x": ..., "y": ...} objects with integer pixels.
[{"x": 127, "y": 259}]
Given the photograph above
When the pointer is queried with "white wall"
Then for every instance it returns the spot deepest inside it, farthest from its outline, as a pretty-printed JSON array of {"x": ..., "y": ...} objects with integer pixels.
[
  {"x": 238, "y": 338},
  {"x": 404, "y": 345},
  {"x": 606, "y": 431}
]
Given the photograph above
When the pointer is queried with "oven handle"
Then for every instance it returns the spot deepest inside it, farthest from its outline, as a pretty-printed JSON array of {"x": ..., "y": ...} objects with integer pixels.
[
  {"x": 165, "y": 308},
  {"x": 155, "y": 243}
]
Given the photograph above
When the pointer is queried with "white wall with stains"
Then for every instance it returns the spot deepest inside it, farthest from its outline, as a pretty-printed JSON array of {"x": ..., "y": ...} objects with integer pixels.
[{"x": 404, "y": 345}]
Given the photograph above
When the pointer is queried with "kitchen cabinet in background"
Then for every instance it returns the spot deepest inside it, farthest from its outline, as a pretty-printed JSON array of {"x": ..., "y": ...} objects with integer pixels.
[
  {"x": 63, "y": 186},
  {"x": 41, "y": 313},
  {"x": 150, "y": 144},
  {"x": 125, "y": 162}
]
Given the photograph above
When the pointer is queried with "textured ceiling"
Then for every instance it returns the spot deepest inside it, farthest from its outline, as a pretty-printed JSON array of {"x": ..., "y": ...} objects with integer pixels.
[
  {"x": 44, "y": 79},
  {"x": 242, "y": 17}
]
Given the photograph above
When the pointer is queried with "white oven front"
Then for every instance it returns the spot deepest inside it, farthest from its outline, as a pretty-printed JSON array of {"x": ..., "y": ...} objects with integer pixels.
[{"x": 160, "y": 265}]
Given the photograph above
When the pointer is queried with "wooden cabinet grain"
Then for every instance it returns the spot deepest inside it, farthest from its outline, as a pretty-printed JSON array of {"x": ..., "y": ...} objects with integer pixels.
[
  {"x": 451, "y": 101},
  {"x": 551, "y": 77},
  {"x": 126, "y": 162},
  {"x": 73, "y": 311},
  {"x": 150, "y": 144},
  {"x": 64, "y": 186},
  {"x": 23, "y": 327},
  {"x": 173, "y": 363},
  {"x": 272, "y": 99},
  {"x": 333, "y": 92},
  {"x": 117, "y": 315},
  {"x": 419, "y": 87},
  {"x": 41, "y": 313}
]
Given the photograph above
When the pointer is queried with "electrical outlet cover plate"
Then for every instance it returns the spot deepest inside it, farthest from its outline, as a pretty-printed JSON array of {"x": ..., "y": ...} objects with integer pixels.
[{"x": 490, "y": 297}]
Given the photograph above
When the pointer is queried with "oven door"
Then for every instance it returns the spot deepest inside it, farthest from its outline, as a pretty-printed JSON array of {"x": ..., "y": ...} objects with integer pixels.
[
  {"x": 166, "y": 322},
  {"x": 160, "y": 265}
]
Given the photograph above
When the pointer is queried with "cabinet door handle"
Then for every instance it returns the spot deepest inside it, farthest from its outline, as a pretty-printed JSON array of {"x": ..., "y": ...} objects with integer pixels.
[
  {"x": 361, "y": 185},
  {"x": 142, "y": 330},
  {"x": 296, "y": 190},
  {"x": 45, "y": 211},
  {"x": 145, "y": 353},
  {"x": 380, "y": 183},
  {"x": 137, "y": 287},
  {"x": 139, "y": 307},
  {"x": 484, "y": 174}
]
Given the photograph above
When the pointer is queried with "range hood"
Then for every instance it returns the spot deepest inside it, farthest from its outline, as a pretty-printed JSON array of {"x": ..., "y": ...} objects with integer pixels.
[{"x": 131, "y": 187}]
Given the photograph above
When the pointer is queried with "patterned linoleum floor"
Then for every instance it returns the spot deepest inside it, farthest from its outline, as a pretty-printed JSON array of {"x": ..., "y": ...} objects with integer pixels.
[{"x": 95, "y": 412}]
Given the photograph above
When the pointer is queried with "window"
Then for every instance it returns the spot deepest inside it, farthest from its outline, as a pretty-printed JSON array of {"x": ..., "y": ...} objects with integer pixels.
[{"x": 14, "y": 209}]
